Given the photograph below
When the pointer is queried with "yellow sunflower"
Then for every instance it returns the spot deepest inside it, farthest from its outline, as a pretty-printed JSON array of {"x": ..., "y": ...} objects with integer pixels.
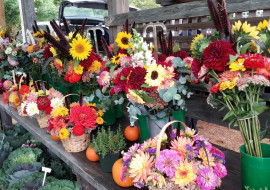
[
  {"x": 122, "y": 40},
  {"x": 155, "y": 75},
  {"x": 80, "y": 48},
  {"x": 116, "y": 58}
]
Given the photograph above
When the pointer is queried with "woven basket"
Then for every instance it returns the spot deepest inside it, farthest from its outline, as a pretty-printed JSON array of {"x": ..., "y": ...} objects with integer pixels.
[
  {"x": 76, "y": 143},
  {"x": 43, "y": 120},
  {"x": 20, "y": 112}
]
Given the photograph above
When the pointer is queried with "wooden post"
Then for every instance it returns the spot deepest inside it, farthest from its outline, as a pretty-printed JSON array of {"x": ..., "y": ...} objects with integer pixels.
[
  {"x": 2, "y": 14},
  {"x": 28, "y": 15},
  {"x": 117, "y": 7}
]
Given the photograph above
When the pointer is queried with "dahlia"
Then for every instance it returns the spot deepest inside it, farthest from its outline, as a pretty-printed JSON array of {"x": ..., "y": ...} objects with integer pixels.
[
  {"x": 157, "y": 179},
  {"x": 96, "y": 65},
  {"x": 78, "y": 130},
  {"x": 43, "y": 103},
  {"x": 104, "y": 78},
  {"x": 179, "y": 145},
  {"x": 47, "y": 53},
  {"x": 55, "y": 94},
  {"x": 207, "y": 159},
  {"x": 265, "y": 70},
  {"x": 136, "y": 78},
  {"x": 206, "y": 179},
  {"x": 253, "y": 60},
  {"x": 88, "y": 62},
  {"x": 32, "y": 109},
  {"x": 56, "y": 102},
  {"x": 181, "y": 54},
  {"x": 5, "y": 97},
  {"x": 7, "y": 84},
  {"x": 196, "y": 67},
  {"x": 83, "y": 115},
  {"x": 162, "y": 57},
  {"x": 48, "y": 110},
  {"x": 217, "y": 55},
  {"x": 167, "y": 161},
  {"x": 58, "y": 123}
]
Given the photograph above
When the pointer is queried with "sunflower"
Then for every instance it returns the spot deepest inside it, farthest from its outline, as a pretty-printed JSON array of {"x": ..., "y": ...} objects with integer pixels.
[
  {"x": 155, "y": 75},
  {"x": 122, "y": 40},
  {"x": 116, "y": 58},
  {"x": 80, "y": 48}
]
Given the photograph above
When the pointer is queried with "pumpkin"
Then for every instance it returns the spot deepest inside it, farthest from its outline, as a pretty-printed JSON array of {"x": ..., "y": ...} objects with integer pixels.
[
  {"x": 132, "y": 133},
  {"x": 91, "y": 154},
  {"x": 54, "y": 137},
  {"x": 116, "y": 170}
]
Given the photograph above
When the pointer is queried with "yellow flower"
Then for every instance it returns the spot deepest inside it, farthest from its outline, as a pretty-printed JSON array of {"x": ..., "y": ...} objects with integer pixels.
[
  {"x": 58, "y": 62},
  {"x": 157, "y": 179},
  {"x": 91, "y": 104},
  {"x": 224, "y": 85},
  {"x": 99, "y": 120},
  {"x": 100, "y": 113},
  {"x": 185, "y": 174},
  {"x": 41, "y": 93},
  {"x": 204, "y": 156},
  {"x": 232, "y": 84},
  {"x": 116, "y": 58},
  {"x": 152, "y": 48},
  {"x": 155, "y": 75},
  {"x": 194, "y": 41},
  {"x": 63, "y": 133},
  {"x": 1, "y": 33},
  {"x": 73, "y": 104},
  {"x": 80, "y": 48},
  {"x": 60, "y": 111},
  {"x": 252, "y": 31},
  {"x": 95, "y": 66},
  {"x": 53, "y": 51},
  {"x": 237, "y": 65},
  {"x": 38, "y": 33},
  {"x": 31, "y": 49},
  {"x": 236, "y": 26},
  {"x": 135, "y": 97},
  {"x": 122, "y": 40},
  {"x": 262, "y": 25},
  {"x": 78, "y": 69},
  {"x": 12, "y": 97}
]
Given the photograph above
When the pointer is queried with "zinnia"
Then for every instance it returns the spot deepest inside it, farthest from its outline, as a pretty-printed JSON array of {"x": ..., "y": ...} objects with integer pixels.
[
  {"x": 83, "y": 115},
  {"x": 24, "y": 90},
  {"x": 43, "y": 103},
  {"x": 206, "y": 179},
  {"x": 217, "y": 55},
  {"x": 78, "y": 130}
]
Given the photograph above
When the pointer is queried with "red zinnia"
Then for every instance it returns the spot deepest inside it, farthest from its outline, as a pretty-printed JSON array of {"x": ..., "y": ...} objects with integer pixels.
[
  {"x": 181, "y": 54},
  {"x": 217, "y": 55},
  {"x": 136, "y": 78},
  {"x": 162, "y": 57},
  {"x": 253, "y": 60},
  {"x": 215, "y": 88},
  {"x": 47, "y": 53},
  {"x": 48, "y": 110},
  {"x": 83, "y": 115},
  {"x": 78, "y": 130},
  {"x": 88, "y": 62},
  {"x": 43, "y": 103},
  {"x": 5, "y": 97},
  {"x": 24, "y": 90},
  {"x": 196, "y": 67},
  {"x": 72, "y": 78},
  {"x": 112, "y": 91}
]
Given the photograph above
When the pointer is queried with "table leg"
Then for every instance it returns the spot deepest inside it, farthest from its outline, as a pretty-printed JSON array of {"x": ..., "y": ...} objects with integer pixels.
[
  {"x": 84, "y": 185},
  {"x": 6, "y": 121}
]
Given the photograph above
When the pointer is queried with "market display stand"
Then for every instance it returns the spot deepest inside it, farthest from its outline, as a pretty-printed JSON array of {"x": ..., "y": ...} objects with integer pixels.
[{"x": 90, "y": 175}]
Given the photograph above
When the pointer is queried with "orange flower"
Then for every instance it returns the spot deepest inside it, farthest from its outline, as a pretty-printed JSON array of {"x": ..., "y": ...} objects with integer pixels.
[
  {"x": 17, "y": 101},
  {"x": 24, "y": 90}
]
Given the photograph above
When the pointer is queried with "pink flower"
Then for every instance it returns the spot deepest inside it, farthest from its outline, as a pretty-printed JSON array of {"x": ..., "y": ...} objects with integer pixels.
[
  {"x": 220, "y": 170},
  {"x": 55, "y": 94},
  {"x": 167, "y": 161},
  {"x": 125, "y": 61},
  {"x": 206, "y": 179},
  {"x": 12, "y": 62},
  {"x": 104, "y": 78},
  {"x": 32, "y": 97}
]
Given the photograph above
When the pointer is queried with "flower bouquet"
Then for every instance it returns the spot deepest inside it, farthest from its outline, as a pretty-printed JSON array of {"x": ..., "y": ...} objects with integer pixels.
[
  {"x": 235, "y": 75},
  {"x": 175, "y": 160},
  {"x": 41, "y": 103},
  {"x": 73, "y": 123}
]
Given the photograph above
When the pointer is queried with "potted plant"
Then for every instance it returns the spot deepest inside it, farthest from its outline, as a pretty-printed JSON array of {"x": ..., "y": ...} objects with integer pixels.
[{"x": 108, "y": 145}]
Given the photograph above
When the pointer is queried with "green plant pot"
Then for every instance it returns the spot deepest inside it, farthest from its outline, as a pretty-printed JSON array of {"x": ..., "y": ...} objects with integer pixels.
[
  {"x": 144, "y": 130},
  {"x": 255, "y": 172},
  {"x": 61, "y": 88},
  {"x": 74, "y": 89},
  {"x": 179, "y": 115},
  {"x": 107, "y": 161},
  {"x": 119, "y": 108},
  {"x": 109, "y": 116}
]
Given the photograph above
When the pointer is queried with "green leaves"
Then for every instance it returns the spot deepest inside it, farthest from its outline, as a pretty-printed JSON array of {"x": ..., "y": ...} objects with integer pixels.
[
  {"x": 245, "y": 48},
  {"x": 146, "y": 98},
  {"x": 76, "y": 62}
]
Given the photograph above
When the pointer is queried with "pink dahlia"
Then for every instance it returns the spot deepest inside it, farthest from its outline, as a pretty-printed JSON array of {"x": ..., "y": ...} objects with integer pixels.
[
  {"x": 220, "y": 170},
  {"x": 167, "y": 161},
  {"x": 83, "y": 115},
  {"x": 217, "y": 55},
  {"x": 206, "y": 179},
  {"x": 104, "y": 78}
]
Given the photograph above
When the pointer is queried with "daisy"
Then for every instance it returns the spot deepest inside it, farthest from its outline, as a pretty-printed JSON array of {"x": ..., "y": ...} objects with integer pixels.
[{"x": 32, "y": 109}]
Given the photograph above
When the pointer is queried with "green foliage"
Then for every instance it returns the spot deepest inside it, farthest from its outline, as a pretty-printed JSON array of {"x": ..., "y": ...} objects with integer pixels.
[
  {"x": 5, "y": 149},
  {"x": 46, "y": 10},
  {"x": 144, "y": 4},
  {"x": 12, "y": 12},
  {"x": 107, "y": 141},
  {"x": 61, "y": 185}
]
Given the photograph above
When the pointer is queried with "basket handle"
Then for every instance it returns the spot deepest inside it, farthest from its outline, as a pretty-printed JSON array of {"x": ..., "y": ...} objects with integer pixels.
[
  {"x": 63, "y": 99},
  {"x": 162, "y": 133}
]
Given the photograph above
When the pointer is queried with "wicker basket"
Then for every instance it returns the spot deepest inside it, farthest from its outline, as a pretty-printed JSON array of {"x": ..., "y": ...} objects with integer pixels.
[
  {"x": 76, "y": 143},
  {"x": 20, "y": 112},
  {"x": 43, "y": 120}
]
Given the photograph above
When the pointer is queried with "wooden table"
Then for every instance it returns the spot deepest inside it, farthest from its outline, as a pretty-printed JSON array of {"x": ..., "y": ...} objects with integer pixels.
[{"x": 89, "y": 174}]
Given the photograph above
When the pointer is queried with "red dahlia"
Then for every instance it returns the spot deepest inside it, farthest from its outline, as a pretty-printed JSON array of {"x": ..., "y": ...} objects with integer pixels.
[
  {"x": 47, "y": 53},
  {"x": 123, "y": 51},
  {"x": 136, "y": 78},
  {"x": 162, "y": 57},
  {"x": 253, "y": 60},
  {"x": 78, "y": 130},
  {"x": 88, "y": 62},
  {"x": 43, "y": 103},
  {"x": 196, "y": 67},
  {"x": 181, "y": 54},
  {"x": 217, "y": 55},
  {"x": 164, "y": 64}
]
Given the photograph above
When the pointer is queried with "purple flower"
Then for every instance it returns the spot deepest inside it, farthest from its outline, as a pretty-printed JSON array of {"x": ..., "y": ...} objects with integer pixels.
[
  {"x": 131, "y": 151},
  {"x": 167, "y": 161},
  {"x": 189, "y": 148},
  {"x": 173, "y": 135},
  {"x": 126, "y": 162},
  {"x": 190, "y": 156},
  {"x": 122, "y": 174},
  {"x": 151, "y": 150},
  {"x": 12, "y": 62},
  {"x": 28, "y": 141},
  {"x": 6, "y": 41},
  {"x": 139, "y": 185},
  {"x": 220, "y": 170},
  {"x": 219, "y": 157},
  {"x": 207, "y": 179}
]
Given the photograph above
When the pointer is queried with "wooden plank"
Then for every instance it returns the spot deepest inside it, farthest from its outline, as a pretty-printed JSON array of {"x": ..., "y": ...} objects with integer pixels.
[
  {"x": 185, "y": 10},
  {"x": 2, "y": 14}
]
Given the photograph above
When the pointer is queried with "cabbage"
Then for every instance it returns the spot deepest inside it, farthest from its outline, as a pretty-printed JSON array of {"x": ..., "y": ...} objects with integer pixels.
[{"x": 61, "y": 185}]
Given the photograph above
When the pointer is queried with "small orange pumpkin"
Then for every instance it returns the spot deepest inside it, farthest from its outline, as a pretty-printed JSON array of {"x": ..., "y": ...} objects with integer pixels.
[
  {"x": 116, "y": 170},
  {"x": 91, "y": 154},
  {"x": 54, "y": 137},
  {"x": 132, "y": 133}
]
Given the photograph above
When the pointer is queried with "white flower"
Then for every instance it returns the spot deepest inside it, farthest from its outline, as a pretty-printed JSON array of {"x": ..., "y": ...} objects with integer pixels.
[
  {"x": 14, "y": 53},
  {"x": 22, "y": 106},
  {"x": 56, "y": 102},
  {"x": 32, "y": 109},
  {"x": 145, "y": 46},
  {"x": 8, "y": 50},
  {"x": 19, "y": 45}
]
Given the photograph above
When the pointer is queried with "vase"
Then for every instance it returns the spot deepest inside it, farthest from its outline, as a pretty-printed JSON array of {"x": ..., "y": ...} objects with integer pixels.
[
  {"x": 74, "y": 89},
  {"x": 144, "y": 129},
  {"x": 107, "y": 161},
  {"x": 179, "y": 115},
  {"x": 255, "y": 171},
  {"x": 155, "y": 126},
  {"x": 109, "y": 116},
  {"x": 119, "y": 108}
]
